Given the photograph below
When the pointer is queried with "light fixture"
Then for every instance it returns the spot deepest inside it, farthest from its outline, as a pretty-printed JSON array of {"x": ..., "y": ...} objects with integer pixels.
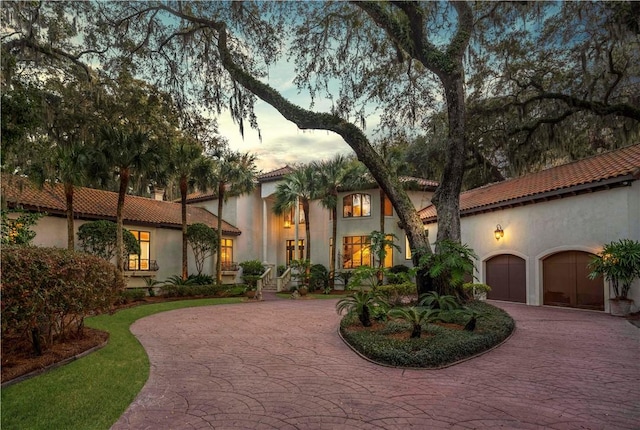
[
  {"x": 287, "y": 223},
  {"x": 499, "y": 232}
]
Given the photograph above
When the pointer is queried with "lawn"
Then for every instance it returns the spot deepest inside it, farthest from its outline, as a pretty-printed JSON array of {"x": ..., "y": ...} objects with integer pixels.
[{"x": 90, "y": 393}]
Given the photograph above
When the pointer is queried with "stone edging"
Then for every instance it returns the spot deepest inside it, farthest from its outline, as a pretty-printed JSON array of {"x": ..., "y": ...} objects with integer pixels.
[
  {"x": 54, "y": 365},
  {"x": 370, "y": 360}
]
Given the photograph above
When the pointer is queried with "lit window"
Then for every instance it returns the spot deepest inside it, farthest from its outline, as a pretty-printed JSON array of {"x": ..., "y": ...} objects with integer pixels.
[
  {"x": 388, "y": 258},
  {"x": 388, "y": 207},
  {"x": 290, "y": 215},
  {"x": 141, "y": 261},
  {"x": 407, "y": 248},
  {"x": 356, "y": 252},
  {"x": 356, "y": 205},
  {"x": 291, "y": 254},
  {"x": 226, "y": 254}
]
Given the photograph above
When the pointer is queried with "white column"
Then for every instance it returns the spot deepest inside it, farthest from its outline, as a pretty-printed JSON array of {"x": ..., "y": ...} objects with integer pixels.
[{"x": 265, "y": 236}]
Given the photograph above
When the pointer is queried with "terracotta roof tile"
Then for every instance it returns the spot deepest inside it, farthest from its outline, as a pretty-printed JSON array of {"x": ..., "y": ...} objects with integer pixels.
[
  {"x": 589, "y": 172},
  {"x": 275, "y": 174},
  {"x": 97, "y": 204}
]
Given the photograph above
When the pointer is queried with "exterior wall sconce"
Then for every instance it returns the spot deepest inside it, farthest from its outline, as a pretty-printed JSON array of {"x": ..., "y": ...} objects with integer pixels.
[
  {"x": 287, "y": 223},
  {"x": 499, "y": 232}
]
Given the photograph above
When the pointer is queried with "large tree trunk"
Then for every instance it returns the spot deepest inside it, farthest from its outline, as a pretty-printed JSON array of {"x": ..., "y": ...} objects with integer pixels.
[
  {"x": 68, "y": 193},
  {"x": 219, "y": 259},
  {"x": 183, "y": 204},
  {"x": 122, "y": 192},
  {"x": 447, "y": 196}
]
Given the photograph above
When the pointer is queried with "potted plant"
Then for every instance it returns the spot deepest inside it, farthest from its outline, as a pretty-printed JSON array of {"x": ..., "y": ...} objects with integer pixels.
[
  {"x": 619, "y": 264},
  {"x": 478, "y": 291}
]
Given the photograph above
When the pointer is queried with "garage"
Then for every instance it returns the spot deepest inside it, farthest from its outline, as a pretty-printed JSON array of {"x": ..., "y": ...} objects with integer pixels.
[
  {"x": 506, "y": 275},
  {"x": 566, "y": 282}
]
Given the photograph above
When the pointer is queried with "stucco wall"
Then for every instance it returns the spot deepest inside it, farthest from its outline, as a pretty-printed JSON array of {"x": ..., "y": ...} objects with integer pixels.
[{"x": 165, "y": 247}]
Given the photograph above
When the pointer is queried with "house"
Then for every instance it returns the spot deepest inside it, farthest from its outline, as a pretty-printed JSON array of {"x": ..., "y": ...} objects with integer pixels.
[
  {"x": 534, "y": 235},
  {"x": 156, "y": 224}
]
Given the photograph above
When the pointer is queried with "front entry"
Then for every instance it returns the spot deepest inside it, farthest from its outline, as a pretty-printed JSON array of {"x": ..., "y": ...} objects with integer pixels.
[
  {"x": 566, "y": 282},
  {"x": 506, "y": 275}
]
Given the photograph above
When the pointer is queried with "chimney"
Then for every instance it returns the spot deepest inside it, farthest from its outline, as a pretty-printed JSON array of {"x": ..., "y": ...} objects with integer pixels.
[{"x": 157, "y": 193}]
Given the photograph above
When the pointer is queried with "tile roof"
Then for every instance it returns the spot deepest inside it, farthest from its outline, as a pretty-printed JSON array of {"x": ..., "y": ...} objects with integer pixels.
[
  {"x": 594, "y": 172},
  {"x": 274, "y": 175},
  {"x": 90, "y": 203}
]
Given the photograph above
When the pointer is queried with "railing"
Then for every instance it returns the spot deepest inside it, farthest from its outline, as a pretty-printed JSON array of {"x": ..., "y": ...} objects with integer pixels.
[
  {"x": 230, "y": 267},
  {"x": 141, "y": 265},
  {"x": 265, "y": 279},
  {"x": 283, "y": 280}
]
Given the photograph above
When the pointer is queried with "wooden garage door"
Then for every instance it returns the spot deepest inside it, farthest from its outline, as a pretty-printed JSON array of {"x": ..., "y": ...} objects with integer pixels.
[
  {"x": 506, "y": 275},
  {"x": 566, "y": 283}
]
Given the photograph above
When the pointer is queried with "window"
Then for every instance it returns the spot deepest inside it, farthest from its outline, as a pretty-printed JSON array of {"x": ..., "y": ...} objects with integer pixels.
[
  {"x": 407, "y": 248},
  {"x": 356, "y": 205},
  {"x": 388, "y": 207},
  {"x": 141, "y": 261},
  {"x": 388, "y": 258},
  {"x": 291, "y": 255},
  {"x": 226, "y": 254},
  {"x": 356, "y": 252},
  {"x": 290, "y": 215}
]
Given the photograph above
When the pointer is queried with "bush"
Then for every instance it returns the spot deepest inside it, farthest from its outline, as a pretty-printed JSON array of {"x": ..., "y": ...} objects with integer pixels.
[
  {"x": 395, "y": 293},
  {"x": 398, "y": 274},
  {"x": 193, "y": 290},
  {"x": 319, "y": 278},
  {"x": 47, "y": 292},
  {"x": 251, "y": 272},
  {"x": 132, "y": 295},
  {"x": 99, "y": 238},
  {"x": 202, "y": 279}
]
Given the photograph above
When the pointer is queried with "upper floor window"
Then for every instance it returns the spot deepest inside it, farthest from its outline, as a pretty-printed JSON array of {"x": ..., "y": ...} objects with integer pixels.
[
  {"x": 356, "y": 205},
  {"x": 388, "y": 207},
  {"x": 290, "y": 216}
]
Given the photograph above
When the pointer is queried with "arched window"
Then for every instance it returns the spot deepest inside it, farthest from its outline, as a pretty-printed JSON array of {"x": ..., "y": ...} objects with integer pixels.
[{"x": 356, "y": 205}]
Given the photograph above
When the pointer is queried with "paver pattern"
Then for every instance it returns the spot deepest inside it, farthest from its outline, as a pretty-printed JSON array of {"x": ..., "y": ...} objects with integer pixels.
[{"x": 281, "y": 365}]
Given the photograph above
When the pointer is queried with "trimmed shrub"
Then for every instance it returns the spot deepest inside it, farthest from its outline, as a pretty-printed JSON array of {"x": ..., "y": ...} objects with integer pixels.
[
  {"x": 47, "y": 292},
  {"x": 193, "y": 290},
  {"x": 202, "y": 279},
  {"x": 396, "y": 293},
  {"x": 132, "y": 295},
  {"x": 99, "y": 238}
]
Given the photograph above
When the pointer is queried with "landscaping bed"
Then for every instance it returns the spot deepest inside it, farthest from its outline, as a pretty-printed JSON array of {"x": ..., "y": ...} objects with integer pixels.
[{"x": 442, "y": 344}]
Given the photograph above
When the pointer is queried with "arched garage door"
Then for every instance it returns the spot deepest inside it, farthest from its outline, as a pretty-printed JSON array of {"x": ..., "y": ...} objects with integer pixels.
[
  {"x": 506, "y": 275},
  {"x": 566, "y": 283}
]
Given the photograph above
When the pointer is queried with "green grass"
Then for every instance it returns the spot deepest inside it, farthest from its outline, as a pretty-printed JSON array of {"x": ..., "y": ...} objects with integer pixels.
[
  {"x": 438, "y": 346},
  {"x": 315, "y": 296},
  {"x": 90, "y": 393}
]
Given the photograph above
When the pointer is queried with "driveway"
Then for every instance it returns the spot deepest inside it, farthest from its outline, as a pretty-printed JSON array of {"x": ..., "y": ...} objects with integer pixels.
[{"x": 281, "y": 365}]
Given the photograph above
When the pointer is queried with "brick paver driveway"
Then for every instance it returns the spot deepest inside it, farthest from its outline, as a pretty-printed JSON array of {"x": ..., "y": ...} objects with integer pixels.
[{"x": 281, "y": 365}]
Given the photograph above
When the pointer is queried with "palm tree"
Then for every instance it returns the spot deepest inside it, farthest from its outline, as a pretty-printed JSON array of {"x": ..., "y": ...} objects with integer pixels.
[
  {"x": 131, "y": 154},
  {"x": 235, "y": 174},
  {"x": 301, "y": 185},
  {"x": 362, "y": 302},
  {"x": 333, "y": 174},
  {"x": 190, "y": 167}
]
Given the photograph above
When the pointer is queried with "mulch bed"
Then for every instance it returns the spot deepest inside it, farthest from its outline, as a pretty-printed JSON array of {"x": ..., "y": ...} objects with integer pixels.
[{"x": 18, "y": 358}]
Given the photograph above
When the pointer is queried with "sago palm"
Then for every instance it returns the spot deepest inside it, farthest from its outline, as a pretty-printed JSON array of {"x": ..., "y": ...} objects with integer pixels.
[
  {"x": 362, "y": 303},
  {"x": 416, "y": 317}
]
